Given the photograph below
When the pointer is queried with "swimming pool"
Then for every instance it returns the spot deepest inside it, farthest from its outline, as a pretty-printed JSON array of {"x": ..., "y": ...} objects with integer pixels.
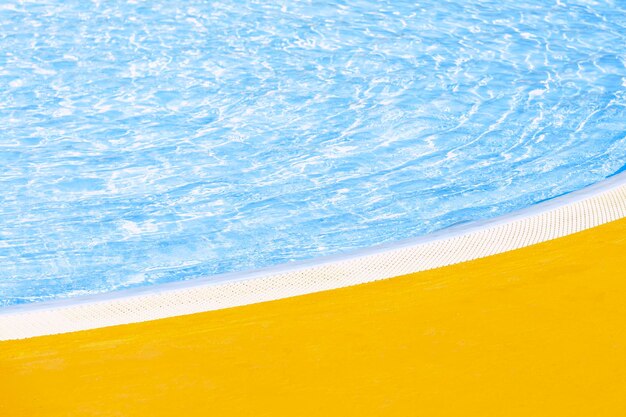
[
  {"x": 146, "y": 143},
  {"x": 448, "y": 177}
]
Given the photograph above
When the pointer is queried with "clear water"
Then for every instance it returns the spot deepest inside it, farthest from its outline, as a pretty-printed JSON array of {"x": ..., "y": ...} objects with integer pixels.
[{"x": 157, "y": 141}]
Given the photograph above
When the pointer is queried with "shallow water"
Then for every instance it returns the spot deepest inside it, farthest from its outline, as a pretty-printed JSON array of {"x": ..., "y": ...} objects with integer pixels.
[{"x": 149, "y": 142}]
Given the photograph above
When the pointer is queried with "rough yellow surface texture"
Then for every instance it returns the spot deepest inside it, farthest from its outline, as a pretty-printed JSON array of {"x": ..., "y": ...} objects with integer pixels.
[{"x": 539, "y": 331}]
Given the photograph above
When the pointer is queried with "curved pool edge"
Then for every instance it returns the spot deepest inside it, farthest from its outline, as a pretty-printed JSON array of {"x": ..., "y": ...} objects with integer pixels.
[
  {"x": 535, "y": 330},
  {"x": 590, "y": 207}
]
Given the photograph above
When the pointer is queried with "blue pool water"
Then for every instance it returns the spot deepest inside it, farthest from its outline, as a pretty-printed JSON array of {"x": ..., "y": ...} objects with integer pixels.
[{"x": 155, "y": 141}]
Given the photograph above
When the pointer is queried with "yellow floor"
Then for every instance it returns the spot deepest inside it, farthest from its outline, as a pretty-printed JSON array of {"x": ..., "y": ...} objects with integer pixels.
[{"x": 540, "y": 331}]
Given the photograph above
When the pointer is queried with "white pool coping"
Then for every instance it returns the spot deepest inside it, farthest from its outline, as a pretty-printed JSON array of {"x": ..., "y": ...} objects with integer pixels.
[{"x": 590, "y": 207}]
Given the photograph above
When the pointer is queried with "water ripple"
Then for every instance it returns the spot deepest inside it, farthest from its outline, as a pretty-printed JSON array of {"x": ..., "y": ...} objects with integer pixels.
[{"x": 146, "y": 142}]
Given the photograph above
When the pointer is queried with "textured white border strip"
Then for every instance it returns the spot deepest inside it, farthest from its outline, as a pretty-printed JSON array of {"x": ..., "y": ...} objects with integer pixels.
[{"x": 593, "y": 206}]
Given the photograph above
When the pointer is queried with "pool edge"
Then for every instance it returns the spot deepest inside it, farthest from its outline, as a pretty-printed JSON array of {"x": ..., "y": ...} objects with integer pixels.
[{"x": 589, "y": 207}]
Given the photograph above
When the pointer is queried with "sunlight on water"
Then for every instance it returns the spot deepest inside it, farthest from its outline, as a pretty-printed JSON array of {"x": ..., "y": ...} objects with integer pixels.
[{"x": 156, "y": 141}]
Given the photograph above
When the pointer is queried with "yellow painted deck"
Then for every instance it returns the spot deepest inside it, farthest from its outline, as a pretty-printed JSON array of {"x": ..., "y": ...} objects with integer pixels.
[{"x": 539, "y": 331}]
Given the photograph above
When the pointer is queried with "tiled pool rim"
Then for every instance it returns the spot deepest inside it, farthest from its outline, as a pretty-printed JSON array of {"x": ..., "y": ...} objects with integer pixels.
[{"x": 584, "y": 209}]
